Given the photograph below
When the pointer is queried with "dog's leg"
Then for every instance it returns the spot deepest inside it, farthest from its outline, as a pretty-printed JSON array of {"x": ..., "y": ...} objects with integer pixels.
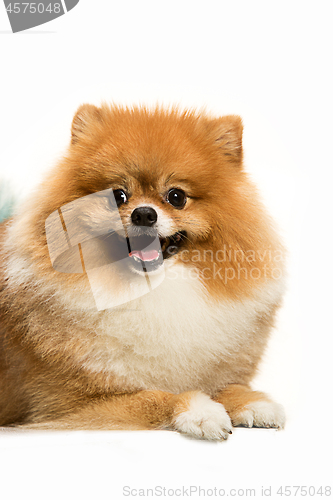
[
  {"x": 249, "y": 408},
  {"x": 192, "y": 413}
]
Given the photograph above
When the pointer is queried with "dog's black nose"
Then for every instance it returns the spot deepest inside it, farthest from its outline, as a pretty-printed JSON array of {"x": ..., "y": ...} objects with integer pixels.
[{"x": 144, "y": 216}]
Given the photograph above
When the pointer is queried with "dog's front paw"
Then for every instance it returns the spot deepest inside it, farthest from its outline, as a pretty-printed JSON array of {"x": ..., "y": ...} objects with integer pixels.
[
  {"x": 199, "y": 416},
  {"x": 261, "y": 413}
]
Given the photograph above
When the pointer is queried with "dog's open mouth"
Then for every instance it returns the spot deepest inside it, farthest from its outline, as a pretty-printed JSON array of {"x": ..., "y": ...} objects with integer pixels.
[{"x": 147, "y": 252}]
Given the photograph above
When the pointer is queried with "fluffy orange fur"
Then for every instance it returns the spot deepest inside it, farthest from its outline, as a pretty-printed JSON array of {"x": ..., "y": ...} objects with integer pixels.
[{"x": 66, "y": 366}]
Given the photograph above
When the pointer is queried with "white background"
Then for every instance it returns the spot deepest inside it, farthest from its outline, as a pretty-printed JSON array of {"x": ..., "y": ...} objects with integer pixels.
[{"x": 271, "y": 63}]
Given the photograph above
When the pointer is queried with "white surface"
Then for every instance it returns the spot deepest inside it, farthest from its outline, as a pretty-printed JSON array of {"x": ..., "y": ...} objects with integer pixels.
[
  {"x": 268, "y": 62},
  {"x": 87, "y": 465}
]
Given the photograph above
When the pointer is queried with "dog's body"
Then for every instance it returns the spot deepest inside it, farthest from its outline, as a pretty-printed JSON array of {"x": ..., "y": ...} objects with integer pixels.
[{"x": 180, "y": 356}]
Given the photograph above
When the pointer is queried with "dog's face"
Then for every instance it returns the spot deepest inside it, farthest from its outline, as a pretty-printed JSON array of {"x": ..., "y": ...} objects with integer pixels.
[
  {"x": 166, "y": 174},
  {"x": 153, "y": 215}
]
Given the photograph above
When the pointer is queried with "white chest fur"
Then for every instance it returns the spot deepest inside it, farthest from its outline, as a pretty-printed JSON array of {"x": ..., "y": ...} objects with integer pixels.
[{"x": 168, "y": 338}]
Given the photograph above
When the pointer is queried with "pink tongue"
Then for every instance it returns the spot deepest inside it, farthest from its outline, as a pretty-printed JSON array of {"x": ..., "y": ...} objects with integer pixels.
[{"x": 145, "y": 255}]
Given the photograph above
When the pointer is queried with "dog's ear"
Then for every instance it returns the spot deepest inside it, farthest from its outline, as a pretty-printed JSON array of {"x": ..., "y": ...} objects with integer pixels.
[
  {"x": 227, "y": 133},
  {"x": 85, "y": 118}
]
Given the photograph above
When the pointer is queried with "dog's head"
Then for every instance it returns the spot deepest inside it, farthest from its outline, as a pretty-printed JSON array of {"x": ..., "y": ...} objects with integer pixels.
[{"x": 156, "y": 179}]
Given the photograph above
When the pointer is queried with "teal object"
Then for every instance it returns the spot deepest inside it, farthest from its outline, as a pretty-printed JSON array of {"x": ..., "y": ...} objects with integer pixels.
[{"x": 7, "y": 201}]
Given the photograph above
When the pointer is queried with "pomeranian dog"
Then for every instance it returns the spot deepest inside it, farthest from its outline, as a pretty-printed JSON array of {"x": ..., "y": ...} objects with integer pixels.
[{"x": 139, "y": 283}]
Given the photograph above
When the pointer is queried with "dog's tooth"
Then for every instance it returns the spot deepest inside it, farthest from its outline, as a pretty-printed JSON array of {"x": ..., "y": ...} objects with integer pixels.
[{"x": 165, "y": 244}]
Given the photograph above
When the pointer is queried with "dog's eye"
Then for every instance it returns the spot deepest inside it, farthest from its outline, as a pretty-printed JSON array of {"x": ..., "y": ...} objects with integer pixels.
[
  {"x": 176, "y": 198},
  {"x": 120, "y": 196}
]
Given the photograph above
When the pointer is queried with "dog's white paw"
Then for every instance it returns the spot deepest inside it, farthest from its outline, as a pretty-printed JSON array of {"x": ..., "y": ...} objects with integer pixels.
[
  {"x": 261, "y": 414},
  {"x": 204, "y": 418}
]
